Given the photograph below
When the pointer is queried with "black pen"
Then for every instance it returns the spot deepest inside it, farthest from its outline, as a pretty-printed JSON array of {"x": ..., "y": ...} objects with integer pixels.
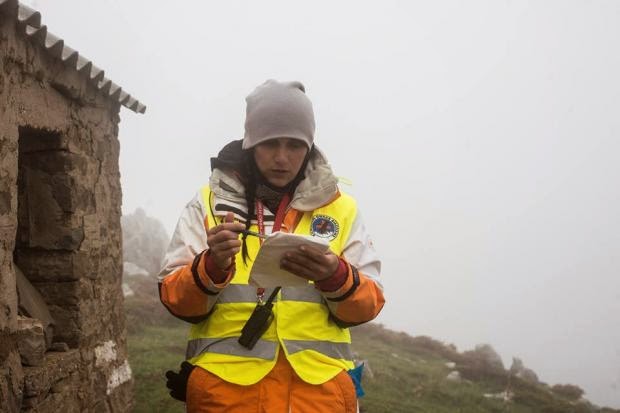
[{"x": 255, "y": 234}]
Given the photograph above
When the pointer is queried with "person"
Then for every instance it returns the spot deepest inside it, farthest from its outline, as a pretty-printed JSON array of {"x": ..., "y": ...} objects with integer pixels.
[{"x": 298, "y": 355}]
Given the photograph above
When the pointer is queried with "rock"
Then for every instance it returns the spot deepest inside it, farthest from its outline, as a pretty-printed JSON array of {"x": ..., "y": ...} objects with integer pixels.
[
  {"x": 489, "y": 356},
  {"x": 454, "y": 376},
  {"x": 30, "y": 341},
  {"x": 505, "y": 396},
  {"x": 450, "y": 364},
  {"x": 528, "y": 375},
  {"x": 518, "y": 369}
]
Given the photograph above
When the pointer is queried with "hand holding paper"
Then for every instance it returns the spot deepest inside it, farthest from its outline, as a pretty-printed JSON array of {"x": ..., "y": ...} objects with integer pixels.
[
  {"x": 310, "y": 263},
  {"x": 267, "y": 270}
]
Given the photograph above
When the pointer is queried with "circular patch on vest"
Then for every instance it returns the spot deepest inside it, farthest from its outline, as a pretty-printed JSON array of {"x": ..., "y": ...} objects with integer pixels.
[{"x": 324, "y": 226}]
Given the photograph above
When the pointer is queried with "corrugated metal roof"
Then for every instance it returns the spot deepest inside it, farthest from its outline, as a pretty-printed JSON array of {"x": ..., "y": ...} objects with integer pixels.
[{"x": 29, "y": 22}]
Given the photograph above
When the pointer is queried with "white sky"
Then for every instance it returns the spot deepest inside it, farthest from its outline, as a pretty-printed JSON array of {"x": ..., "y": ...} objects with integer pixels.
[{"x": 481, "y": 138}]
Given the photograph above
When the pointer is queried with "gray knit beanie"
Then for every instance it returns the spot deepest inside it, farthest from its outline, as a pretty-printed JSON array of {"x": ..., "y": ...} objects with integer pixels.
[{"x": 278, "y": 110}]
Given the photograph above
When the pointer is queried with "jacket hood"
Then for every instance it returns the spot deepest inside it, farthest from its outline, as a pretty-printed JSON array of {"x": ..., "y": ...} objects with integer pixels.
[{"x": 318, "y": 187}]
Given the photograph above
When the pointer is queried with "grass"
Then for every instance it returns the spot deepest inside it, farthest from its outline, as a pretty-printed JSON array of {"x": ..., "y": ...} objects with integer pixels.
[
  {"x": 406, "y": 379},
  {"x": 408, "y": 373},
  {"x": 152, "y": 351}
]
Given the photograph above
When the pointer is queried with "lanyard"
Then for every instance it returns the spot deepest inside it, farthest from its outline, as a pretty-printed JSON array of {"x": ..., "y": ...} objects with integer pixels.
[
  {"x": 260, "y": 215},
  {"x": 277, "y": 224}
]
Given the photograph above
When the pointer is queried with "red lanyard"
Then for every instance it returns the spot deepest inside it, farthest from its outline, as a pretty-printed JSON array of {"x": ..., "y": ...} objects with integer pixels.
[
  {"x": 260, "y": 215},
  {"x": 277, "y": 224}
]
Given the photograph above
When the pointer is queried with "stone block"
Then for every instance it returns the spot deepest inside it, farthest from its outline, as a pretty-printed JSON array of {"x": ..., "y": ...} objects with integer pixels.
[
  {"x": 64, "y": 191},
  {"x": 67, "y": 325},
  {"x": 42, "y": 221},
  {"x": 57, "y": 366},
  {"x": 30, "y": 341},
  {"x": 63, "y": 294},
  {"x": 67, "y": 402},
  {"x": 41, "y": 265},
  {"x": 30, "y": 403},
  {"x": 71, "y": 194}
]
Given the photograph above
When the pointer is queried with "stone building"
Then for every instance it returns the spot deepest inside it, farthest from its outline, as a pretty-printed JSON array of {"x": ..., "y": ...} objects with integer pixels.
[{"x": 60, "y": 210}]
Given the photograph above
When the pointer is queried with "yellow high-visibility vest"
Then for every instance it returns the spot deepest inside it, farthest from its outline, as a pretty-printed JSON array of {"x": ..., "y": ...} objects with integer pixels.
[{"x": 315, "y": 346}]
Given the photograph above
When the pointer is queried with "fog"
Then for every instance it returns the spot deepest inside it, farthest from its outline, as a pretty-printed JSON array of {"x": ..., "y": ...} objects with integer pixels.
[{"x": 481, "y": 139}]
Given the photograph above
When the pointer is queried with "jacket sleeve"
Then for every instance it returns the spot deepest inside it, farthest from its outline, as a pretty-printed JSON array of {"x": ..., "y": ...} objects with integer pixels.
[
  {"x": 360, "y": 298},
  {"x": 185, "y": 287}
]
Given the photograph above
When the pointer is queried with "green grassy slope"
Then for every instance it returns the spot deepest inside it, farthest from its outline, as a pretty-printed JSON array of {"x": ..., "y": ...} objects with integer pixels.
[{"x": 407, "y": 374}]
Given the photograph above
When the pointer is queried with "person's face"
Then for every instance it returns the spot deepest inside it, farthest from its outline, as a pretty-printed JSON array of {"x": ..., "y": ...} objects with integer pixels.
[{"x": 280, "y": 159}]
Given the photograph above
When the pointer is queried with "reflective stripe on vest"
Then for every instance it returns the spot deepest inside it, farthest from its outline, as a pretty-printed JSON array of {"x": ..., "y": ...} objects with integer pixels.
[
  {"x": 242, "y": 293},
  {"x": 333, "y": 350},
  {"x": 263, "y": 349},
  {"x": 314, "y": 345},
  {"x": 306, "y": 294}
]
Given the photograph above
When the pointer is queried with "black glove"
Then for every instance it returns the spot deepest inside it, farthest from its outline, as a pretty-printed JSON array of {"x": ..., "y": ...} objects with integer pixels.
[{"x": 177, "y": 382}]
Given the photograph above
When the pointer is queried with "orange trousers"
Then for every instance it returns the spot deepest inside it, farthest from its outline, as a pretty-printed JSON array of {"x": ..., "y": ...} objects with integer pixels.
[{"x": 281, "y": 391}]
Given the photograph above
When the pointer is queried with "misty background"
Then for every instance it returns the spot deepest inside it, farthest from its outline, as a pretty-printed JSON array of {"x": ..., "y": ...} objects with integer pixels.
[{"x": 481, "y": 139}]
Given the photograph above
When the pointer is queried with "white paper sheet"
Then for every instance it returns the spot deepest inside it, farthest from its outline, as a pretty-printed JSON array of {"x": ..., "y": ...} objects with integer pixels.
[{"x": 266, "y": 271}]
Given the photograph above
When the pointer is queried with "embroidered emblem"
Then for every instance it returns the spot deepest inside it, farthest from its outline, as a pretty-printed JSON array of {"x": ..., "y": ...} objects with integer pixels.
[{"x": 324, "y": 226}]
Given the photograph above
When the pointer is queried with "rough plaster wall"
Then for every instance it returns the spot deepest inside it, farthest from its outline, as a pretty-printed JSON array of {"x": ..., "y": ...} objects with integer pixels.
[
  {"x": 11, "y": 373},
  {"x": 76, "y": 195}
]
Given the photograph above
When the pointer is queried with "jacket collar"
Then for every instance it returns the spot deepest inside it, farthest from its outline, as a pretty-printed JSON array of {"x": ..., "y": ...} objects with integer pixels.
[{"x": 318, "y": 187}]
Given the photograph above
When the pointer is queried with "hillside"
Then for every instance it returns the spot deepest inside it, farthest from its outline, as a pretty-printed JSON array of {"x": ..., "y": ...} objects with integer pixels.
[{"x": 404, "y": 373}]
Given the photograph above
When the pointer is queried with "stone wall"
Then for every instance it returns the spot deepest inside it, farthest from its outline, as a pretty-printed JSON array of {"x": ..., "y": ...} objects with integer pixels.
[{"x": 60, "y": 201}]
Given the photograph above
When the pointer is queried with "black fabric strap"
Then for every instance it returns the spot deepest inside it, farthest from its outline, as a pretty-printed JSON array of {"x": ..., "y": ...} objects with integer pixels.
[
  {"x": 272, "y": 296},
  {"x": 343, "y": 324},
  {"x": 356, "y": 283},
  {"x": 196, "y": 276}
]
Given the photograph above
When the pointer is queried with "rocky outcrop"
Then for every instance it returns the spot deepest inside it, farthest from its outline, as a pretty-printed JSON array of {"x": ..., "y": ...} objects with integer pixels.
[
  {"x": 481, "y": 362},
  {"x": 144, "y": 242},
  {"x": 518, "y": 369}
]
